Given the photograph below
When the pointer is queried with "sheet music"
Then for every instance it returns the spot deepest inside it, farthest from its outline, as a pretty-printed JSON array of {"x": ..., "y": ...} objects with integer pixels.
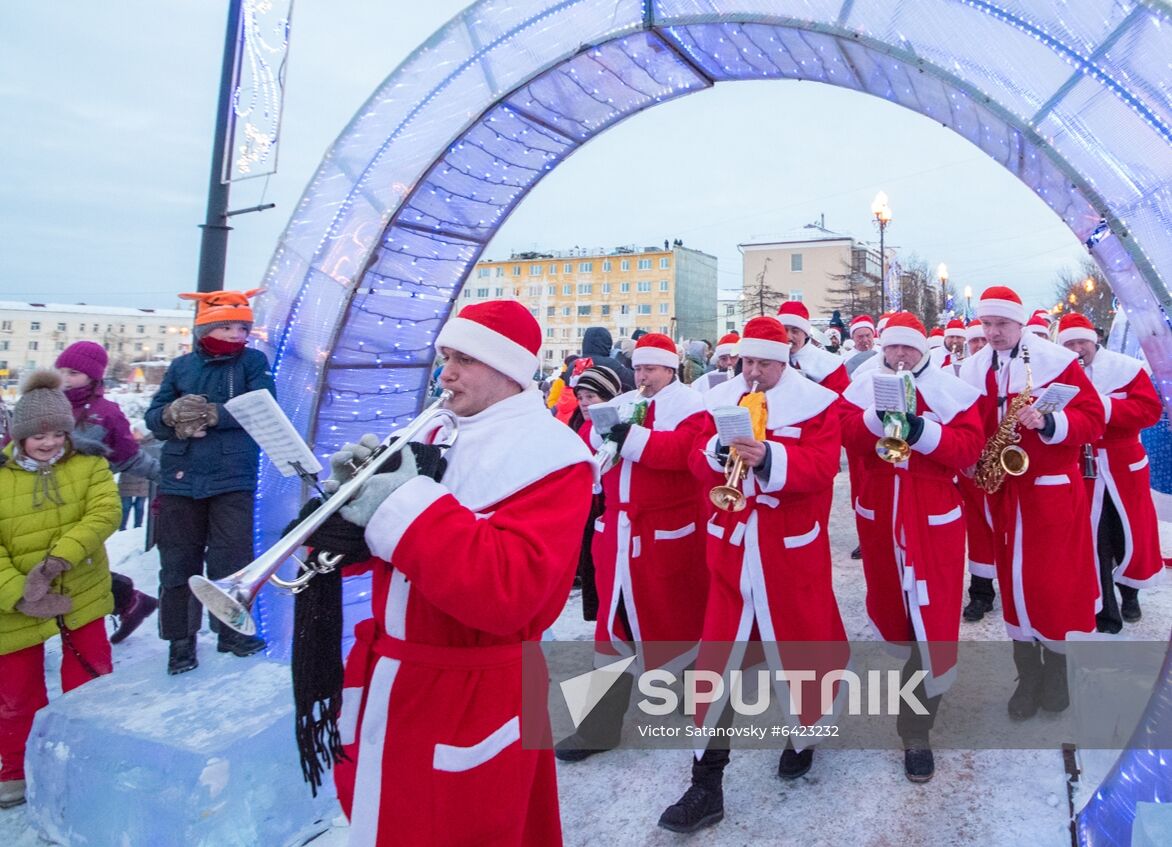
[
  {"x": 603, "y": 417},
  {"x": 732, "y": 422},
  {"x": 1055, "y": 397},
  {"x": 258, "y": 412},
  {"x": 889, "y": 393}
]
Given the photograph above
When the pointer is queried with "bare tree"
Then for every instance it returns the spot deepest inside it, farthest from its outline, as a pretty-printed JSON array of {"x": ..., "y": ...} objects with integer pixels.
[
  {"x": 856, "y": 291},
  {"x": 758, "y": 298},
  {"x": 1085, "y": 290}
]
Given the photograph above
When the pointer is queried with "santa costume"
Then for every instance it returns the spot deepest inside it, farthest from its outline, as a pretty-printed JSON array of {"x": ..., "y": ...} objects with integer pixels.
[
  {"x": 726, "y": 346},
  {"x": 814, "y": 363}
]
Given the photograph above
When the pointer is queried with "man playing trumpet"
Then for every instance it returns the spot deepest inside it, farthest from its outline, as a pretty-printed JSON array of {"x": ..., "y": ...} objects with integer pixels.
[
  {"x": 769, "y": 563},
  {"x": 909, "y": 515},
  {"x": 1041, "y": 525}
]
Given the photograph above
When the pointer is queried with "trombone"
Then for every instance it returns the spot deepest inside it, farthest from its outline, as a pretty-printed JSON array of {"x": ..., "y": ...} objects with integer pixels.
[{"x": 230, "y": 599}]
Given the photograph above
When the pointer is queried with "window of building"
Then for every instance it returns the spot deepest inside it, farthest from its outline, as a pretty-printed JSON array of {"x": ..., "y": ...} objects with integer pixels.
[
  {"x": 663, "y": 308},
  {"x": 585, "y": 288},
  {"x": 516, "y": 270},
  {"x": 606, "y": 266},
  {"x": 481, "y": 292},
  {"x": 95, "y": 327},
  {"x": 581, "y": 331},
  {"x": 551, "y": 289},
  {"x": 467, "y": 293},
  {"x": 730, "y": 326},
  {"x": 32, "y": 345},
  {"x": 605, "y": 312},
  {"x": 565, "y": 332},
  {"x": 500, "y": 292},
  {"x": 3, "y": 364},
  {"x": 122, "y": 329},
  {"x": 550, "y": 311},
  {"x": 583, "y": 311},
  {"x": 795, "y": 261},
  {"x": 730, "y": 309},
  {"x": 59, "y": 346},
  {"x": 625, "y": 287},
  {"x": 644, "y": 309},
  {"x": 549, "y": 331},
  {"x": 624, "y": 310},
  {"x": 622, "y": 331},
  {"x": 795, "y": 294},
  {"x": 141, "y": 329},
  {"x": 3, "y": 345},
  {"x": 606, "y": 288},
  {"x": 162, "y": 330},
  {"x": 500, "y": 271},
  {"x": 585, "y": 267},
  {"x": 663, "y": 329},
  {"x": 664, "y": 285},
  {"x": 61, "y": 327},
  {"x": 644, "y": 264},
  {"x": 8, "y": 325},
  {"x": 625, "y": 265},
  {"x": 568, "y": 268},
  {"x": 35, "y": 326},
  {"x": 484, "y": 272},
  {"x": 535, "y": 312},
  {"x": 553, "y": 269},
  {"x": 644, "y": 286},
  {"x": 565, "y": 311},
  {"x": 535, "y": 291},
  {"x": 160, "y": 347},
  {"x": 548, "y": 353},
  {"x": 664, "y": 263},
  {"x": 535, "y": 270}
]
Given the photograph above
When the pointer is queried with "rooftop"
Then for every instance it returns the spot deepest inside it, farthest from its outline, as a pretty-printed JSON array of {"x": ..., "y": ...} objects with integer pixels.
[
  {"x": 800, "y": 235},
  {"x": 84, "y": 309}
]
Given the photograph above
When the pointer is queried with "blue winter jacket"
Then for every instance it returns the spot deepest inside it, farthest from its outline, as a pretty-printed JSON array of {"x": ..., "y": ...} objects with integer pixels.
[{"x": 226, "y": 459}]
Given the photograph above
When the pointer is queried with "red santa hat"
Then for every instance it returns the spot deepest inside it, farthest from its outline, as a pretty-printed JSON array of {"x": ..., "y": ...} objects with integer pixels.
[
  {"x": 1076, "y": 327},
  {"x": 1044, "y": 314},
  {"x": 727, "y": 345},
  {"x": 764, "y": 338},
  {"x": 954, "y": 327},
  {"x": 655, "y": 348},
  {"x": 500, "y": 333},
  {"x": 998, "y": 301},
  {"x": 1038, "y": 326},
  {"x": 935, "y": 338},
  {"x": 905, "y": 328},
  {"x": 974, "y": 330},
  {"x": 883, "y": 319},
  {"x": 793, "y": 313},
  {"x": 861, "y": 322}
]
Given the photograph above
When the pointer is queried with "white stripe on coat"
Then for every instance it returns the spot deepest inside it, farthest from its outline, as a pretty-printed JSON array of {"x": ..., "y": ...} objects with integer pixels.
[{"x": 451, "y": 758}]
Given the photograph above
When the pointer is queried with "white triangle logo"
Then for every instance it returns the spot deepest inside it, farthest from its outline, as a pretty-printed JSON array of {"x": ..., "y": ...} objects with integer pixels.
[{"x": 583, "y": 692}]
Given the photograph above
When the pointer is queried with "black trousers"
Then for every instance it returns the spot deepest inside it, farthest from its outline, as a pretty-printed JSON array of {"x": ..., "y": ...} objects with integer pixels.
[
  {"x": 1110, "y": 543},
  {"x": 216, "y": 530},
  {"x": 914, "y": 728},
  {"x": 981, "y": 588}
]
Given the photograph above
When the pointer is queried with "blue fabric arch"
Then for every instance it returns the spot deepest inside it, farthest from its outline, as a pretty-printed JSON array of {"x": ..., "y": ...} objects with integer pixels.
[{"x": 1072, "y": 98}]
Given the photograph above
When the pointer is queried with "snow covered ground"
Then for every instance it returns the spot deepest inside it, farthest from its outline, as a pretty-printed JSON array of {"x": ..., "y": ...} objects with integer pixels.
[{"x": 849, "y": 797}]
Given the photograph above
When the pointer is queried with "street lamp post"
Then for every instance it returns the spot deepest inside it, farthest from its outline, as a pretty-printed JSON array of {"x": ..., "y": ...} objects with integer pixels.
[
  {"x": 882, "y": 212},
  {"x": 968, "y": 302},
  {"x": 942, "y": 274}
]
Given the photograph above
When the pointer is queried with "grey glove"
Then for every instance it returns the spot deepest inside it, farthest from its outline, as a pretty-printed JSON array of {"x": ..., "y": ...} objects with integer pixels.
[
  {"x": 49, "y": 606},
  {"x": 344, "y": 464},
  {"x": 377, "y": 489},
  {"x": 40, "y": 578}
]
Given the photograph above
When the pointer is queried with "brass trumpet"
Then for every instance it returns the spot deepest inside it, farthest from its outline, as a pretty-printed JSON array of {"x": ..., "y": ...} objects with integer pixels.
[
  {"x": 893, "y": 447},
  {"x": 729, "y": 497},
  {"x": 230, "y": 599}
]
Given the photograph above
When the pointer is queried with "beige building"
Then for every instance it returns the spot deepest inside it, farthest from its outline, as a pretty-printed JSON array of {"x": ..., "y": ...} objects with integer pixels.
[
  {"x": 672, "y": 291},
  {"x": 728, "y": 312},
  {"x": 33, "y": 334},
  {"x": 805, "y": 264}
]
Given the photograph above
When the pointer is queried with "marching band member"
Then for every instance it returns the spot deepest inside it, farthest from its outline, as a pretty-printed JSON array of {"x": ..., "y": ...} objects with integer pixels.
[
  {"x": 648, "y": 547},
  {"x": 814, "y": 363},
  {"x": 725, "y": 359},
  {"x": 467, "y": 569},
  {"x": 1038, "y": 326},
  {"x": 936, "y": 338},
  {"x": 975, "y": 339},
  {"x": 769, "y": 563},
  {"x": 862, "y": 332},
  {"x": 1118, "y": 480},
  {"x": 909, "y": 517},
  {"x": 1041, "y": 524},
  {"x": 954, "y": 346}
]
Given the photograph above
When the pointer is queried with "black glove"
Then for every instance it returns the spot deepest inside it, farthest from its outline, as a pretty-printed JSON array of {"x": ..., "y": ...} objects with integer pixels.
[
  {"x": 336, "y": 535},
  {"x": 1049, "y": 425},
  {"x": 915, "y": 428},
  {"x": 722, "y": 451},
  {"x": 618, "y": 434},
  {"x": 429, "y": 461}
]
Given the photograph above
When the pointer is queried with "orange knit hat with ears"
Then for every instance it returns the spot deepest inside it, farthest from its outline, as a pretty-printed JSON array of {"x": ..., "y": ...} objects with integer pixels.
[{"x": 217, "y": 307}]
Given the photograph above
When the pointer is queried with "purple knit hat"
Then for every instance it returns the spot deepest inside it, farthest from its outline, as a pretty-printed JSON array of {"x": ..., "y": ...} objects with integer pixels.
[{"x": 84, "y": 356}]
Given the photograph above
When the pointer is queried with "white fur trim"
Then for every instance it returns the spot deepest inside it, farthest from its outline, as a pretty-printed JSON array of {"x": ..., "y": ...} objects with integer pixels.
[
  {"x": 1076, "y": 333},
  {"x": 778, "y": 468},
  {"x": 954, "y": 332},
  {"x": 976, "y": 331},
  {"x": 935, "y": 342},
  {"x": 635, "y": 443},
  {"x": 861, "y": 325},
  {"x": 761, "y": 348},
  {"x": 396, "y": 514},
  {"x": 797, "y": 322},
  {"x": 906, "y": 336},
  {"x": 654, "y": 356},
  {"x": 930, "y": 438},
  {"x": 1061, "y": 428},
  {"x": 495, "y": 350},
  {"x": 995, "y": 308},
  {"x": 725, "y": 350}
]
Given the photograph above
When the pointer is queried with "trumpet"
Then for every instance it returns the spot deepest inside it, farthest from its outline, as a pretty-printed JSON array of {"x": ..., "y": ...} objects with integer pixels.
[
  {"x": 729, "y": 496},
  {"x": 230, "y": 599},
  {"x": 893, "y": 446}
]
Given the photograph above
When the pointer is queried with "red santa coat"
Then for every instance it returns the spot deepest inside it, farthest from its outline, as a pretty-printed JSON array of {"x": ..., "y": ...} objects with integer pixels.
[
  {"x": 910, "y": 517},
  {"x": 648, "y": 545},
  {"x": 822, "y": 367},
  {"x": 978, "y": 529},
  {"x": 1131, "y": 404},
  {"x": 466, "y": 570},
  {"x": 1041, "y": 522},
  {"x": 770, "y": 563}
]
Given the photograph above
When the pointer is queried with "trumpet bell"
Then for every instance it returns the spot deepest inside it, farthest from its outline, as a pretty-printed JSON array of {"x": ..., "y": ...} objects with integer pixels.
[
  {"x": 228, "y": 600},
  {"x": 1014, "y": 460},
  {"x": 727, "y": 498},
  {"x": 893, "y": 450}
]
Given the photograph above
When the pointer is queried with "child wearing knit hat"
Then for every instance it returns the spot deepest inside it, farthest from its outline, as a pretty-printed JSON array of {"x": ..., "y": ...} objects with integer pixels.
[
  {"x": 209, "y": 470},
  {"x": 100, "y": 427},
  {"x": 57, "y": 508}
]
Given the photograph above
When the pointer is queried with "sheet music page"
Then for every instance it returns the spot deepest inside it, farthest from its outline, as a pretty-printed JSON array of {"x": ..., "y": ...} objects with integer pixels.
[
  {"x": 258, "y": 412},
  {"x": 715, "y": 378},
  {"x": 1055, "y": 397},
  {"x": 603, "y": 417},
  {"x": 889, "y": 393},
  {"x": 732, "y": 422}
]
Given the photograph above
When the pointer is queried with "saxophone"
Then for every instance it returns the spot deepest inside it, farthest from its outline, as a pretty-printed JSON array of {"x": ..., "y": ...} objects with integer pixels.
[{"x": 1002, "y": 455}]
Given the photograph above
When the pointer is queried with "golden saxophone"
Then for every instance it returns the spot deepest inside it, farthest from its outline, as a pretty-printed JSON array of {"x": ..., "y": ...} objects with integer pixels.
[{"x": 1002, "y": 455}]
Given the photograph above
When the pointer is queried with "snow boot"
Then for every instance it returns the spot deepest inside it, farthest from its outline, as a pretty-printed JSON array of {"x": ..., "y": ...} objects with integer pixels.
[
  {"x": 1024, "y": 702},
  {"x": 1055, "y": 693},
  {"x": 1129, "y": 609},
  {"x": 702, "y": 805},
  {"x": 602, "y": 728},
  {"x": 182, "y": 656},
  {"x": 11, "y": 793},
  {"x": 231, "y": 641},
  {"x": 140, "y": 607},
  {"x": 918, "y": 763},
  {"x": 794, "y": 764}
]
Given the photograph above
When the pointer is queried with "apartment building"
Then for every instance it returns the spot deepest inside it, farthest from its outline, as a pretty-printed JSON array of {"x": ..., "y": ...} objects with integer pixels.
[
  {"x": 32, "y": 334},
  {"x": 728, "y": 311},
  {"x": 670, "y": 290}
]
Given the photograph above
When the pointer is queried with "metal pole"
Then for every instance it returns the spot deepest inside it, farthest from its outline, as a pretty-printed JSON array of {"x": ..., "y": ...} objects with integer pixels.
[
  {"x": 882, "y": 268},
  {"x": 213, "y": 248}
]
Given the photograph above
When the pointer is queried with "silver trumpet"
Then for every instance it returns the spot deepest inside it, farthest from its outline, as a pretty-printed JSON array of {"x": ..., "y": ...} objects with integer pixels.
[{"x": 230, "y": 599}]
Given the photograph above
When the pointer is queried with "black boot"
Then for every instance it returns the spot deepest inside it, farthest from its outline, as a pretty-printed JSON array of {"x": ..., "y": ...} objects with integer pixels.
[
  {"x": 1055, "y": 694},
  {"x": 918, "y": 763},
  {"x": 703, "y": 803},
  {"x": 602, "y": 728},
  {"x": 1129, "y": 608},
  {"x": 1027, "y": 656},
  {"x": 981, "y": 595},
  {"x": 182, "y": 656},
  {"x": 238, "y": 644},
  {"x": 794, "y": 764}
]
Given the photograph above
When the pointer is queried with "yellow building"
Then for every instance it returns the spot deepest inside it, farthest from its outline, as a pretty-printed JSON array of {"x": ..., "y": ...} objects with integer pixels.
[{"x": 672, "y": 291}]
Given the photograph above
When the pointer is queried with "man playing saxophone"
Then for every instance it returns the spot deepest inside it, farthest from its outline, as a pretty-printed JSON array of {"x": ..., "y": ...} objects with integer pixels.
[
  {"x": 1041, "y": 527},
  {"x": 909, "y": 516}
]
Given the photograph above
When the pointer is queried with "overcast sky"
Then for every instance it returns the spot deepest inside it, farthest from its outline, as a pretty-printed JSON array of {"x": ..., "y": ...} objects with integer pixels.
[{"x": 106, "y": 138}]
